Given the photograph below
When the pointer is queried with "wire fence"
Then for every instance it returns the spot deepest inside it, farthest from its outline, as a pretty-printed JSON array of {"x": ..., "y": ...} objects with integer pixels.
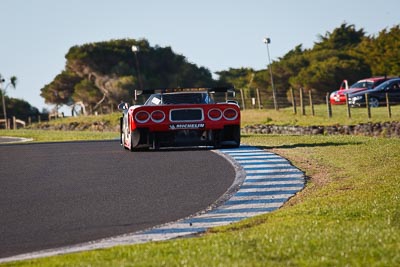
[{"x": 302, "y": 103}]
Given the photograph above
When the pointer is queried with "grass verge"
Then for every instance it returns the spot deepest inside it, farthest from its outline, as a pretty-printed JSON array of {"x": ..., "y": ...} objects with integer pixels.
[
  {"x": 59, "y": 136},
  {"x": 348, "y": 214},
  {"x": 285, "y": 116}
]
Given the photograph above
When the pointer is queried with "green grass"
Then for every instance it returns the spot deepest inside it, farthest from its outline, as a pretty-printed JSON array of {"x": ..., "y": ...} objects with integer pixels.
[
  {"x": 284, "y": 116},
  {"x": 112, "y": 118},
  {"x": 348, "y": 214},
  {"x": 339, "y": 116},
  {"x": 39, "y": 135},
  {"x": 59, "y": 136}
]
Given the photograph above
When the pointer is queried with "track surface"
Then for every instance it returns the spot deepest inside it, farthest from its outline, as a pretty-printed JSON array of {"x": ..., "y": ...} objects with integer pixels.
[{"x": 56, "y": 194}]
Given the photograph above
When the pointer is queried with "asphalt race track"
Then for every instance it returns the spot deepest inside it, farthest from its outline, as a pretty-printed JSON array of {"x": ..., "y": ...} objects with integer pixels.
[{"x": 57, "y": 194}]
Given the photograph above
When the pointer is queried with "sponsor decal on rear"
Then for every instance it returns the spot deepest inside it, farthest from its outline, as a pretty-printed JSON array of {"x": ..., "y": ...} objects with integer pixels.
[{"x": 184, "y": 126}]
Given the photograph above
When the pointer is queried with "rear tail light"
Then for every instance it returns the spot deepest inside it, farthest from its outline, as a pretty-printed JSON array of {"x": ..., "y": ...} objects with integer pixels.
[
  {"x": 142, "y": 117},
  {"x": 157, "y": 116},
  {"x": 230, "y": 114},
  {"x": 214, "y": 114}
]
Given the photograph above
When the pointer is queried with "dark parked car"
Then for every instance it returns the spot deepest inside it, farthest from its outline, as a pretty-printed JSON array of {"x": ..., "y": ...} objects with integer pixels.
[{"x": 377, "y": 96}]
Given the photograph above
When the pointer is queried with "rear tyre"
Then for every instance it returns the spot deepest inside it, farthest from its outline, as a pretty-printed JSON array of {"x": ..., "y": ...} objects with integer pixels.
[
  {"x": 123, "y": 141},
  {"x": 121, "y": 132},
  {"x": 231, "y": 136},
  {"x": 236, "y": 136},
  {"x": 135, "y": 138},
  {"x": 217, "y": 139}
]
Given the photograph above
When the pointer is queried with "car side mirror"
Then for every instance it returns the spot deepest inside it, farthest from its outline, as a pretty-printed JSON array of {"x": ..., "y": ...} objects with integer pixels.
[{"x": 123, "y": 106}]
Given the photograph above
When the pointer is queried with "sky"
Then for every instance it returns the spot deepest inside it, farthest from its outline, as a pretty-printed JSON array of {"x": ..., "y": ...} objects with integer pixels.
[{"x": 35, "y": 35}]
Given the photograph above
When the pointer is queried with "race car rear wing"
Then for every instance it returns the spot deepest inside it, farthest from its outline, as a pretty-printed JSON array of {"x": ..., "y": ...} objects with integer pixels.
[{"x": 210, "y": 90}]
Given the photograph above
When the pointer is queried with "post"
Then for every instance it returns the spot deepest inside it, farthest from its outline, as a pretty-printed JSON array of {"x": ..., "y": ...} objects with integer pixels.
[
  {"x": 389, "y": 110},
  {"x": 242, "y": 96},
  {"x": 14, "y": 123},
  {"x": 303, "y": 111},
  {"x": 267, "y": 41},
  {"x": 253, "y": 102},
  {"x": 328, "y": 105},
  {"x": 258, "y": 98},
  {"x": 4, "y": 109},
  {"x": 293, "y": 101},
  {"x": 367, "y": 105},
  {"x": 135, "y": 50},
  {"x": 3, "y": 91},
  {"x": 311, "y": 103},
  {"x": 348, "y": 106},
  {"x": 29, "y": 120}
]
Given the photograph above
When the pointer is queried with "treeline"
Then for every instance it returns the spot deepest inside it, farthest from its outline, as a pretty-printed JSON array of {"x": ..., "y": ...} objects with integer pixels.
[
  {"x": 344, "y": 53},
  {"x": 98, "y": 76},
  {"x": 20, "y": 109}
]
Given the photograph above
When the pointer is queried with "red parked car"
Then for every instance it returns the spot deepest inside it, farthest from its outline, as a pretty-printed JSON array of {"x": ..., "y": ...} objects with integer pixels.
[
  {"x": 181, "y": 117},
  {"x": 339, "y": 97}
]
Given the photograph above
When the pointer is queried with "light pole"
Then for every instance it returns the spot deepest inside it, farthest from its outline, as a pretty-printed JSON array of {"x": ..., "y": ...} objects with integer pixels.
[
  {"x": 13, "y": 82},
  {"x": 135, "y": 50},
  {"x": 267, "y": 41}
]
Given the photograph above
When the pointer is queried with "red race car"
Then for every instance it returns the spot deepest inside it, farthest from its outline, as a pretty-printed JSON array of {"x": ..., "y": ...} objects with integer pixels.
[
  {"x": 181, "y": 117},
  {"x": 339, "y": 97}
]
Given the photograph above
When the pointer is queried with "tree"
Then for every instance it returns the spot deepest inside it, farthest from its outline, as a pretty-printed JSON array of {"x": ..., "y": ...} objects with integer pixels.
[
  {"x": 287, "y": 67},
  {"x": 13, "y": 83},
  {"x": 87, "y": 93},
  {"x": 21, "y": 109},
  {"x": 241, "y": 78},
  {"x": 344, "y": 53},
  {"x": 325, "y": 71},
  {"x": 111, "y": 69},
  {"x": 342, "y": 38},
  {"x": 319, "y": 69},
  {"x": 381, "y": 53},
  {"x": 332, "y": 59},
  {"x": 61, "y": 89}
]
